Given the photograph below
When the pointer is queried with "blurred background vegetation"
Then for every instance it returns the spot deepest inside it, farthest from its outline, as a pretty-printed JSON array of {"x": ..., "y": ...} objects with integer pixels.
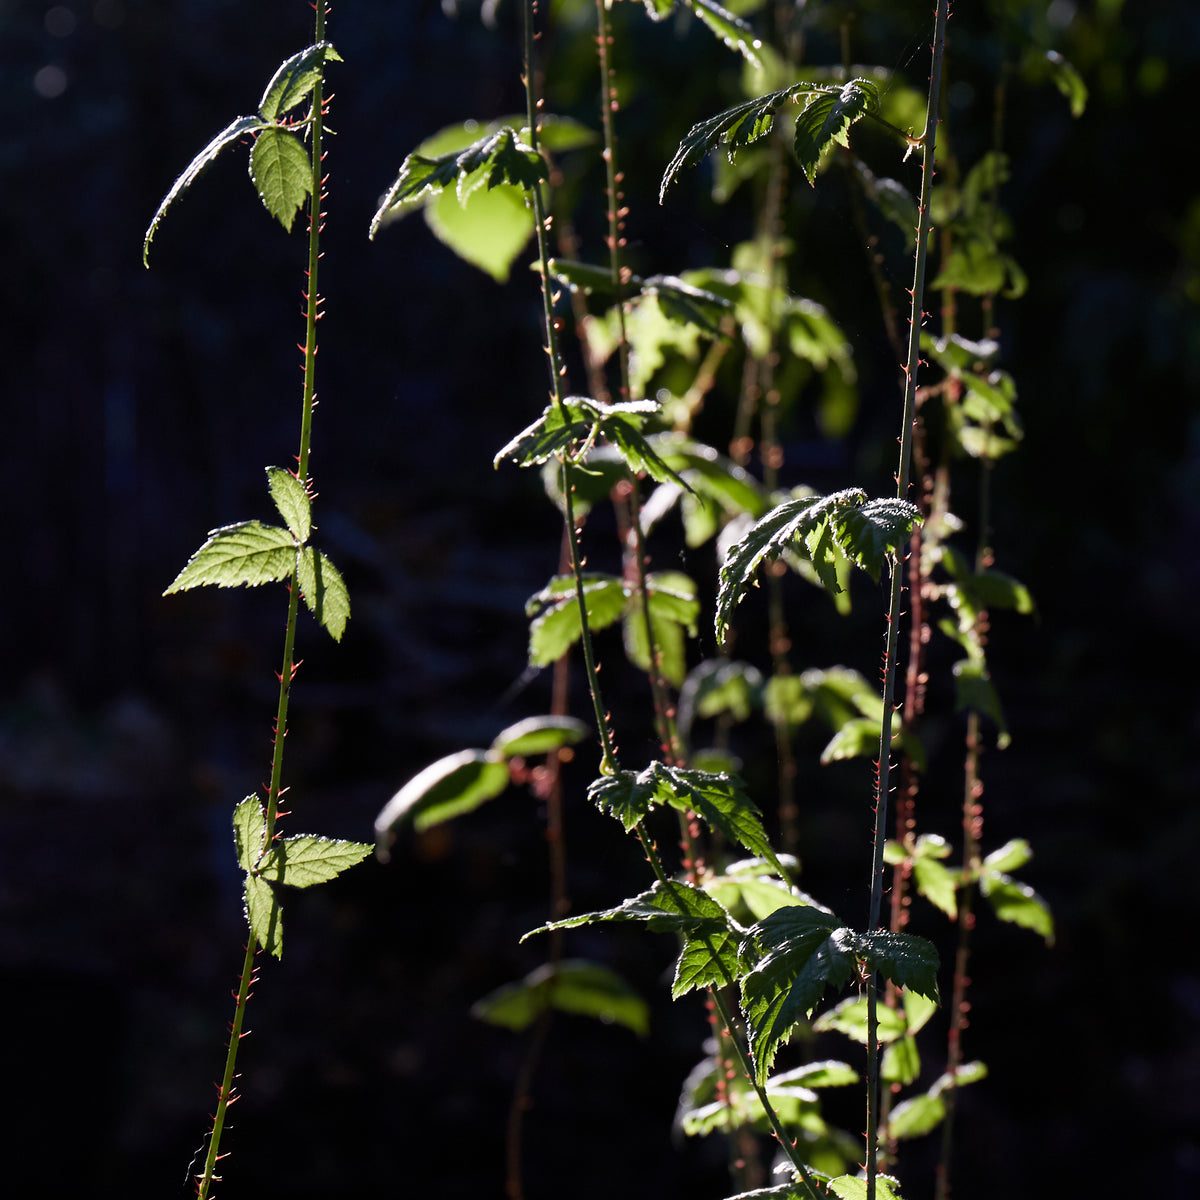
[{"x": 141, "y": 410}]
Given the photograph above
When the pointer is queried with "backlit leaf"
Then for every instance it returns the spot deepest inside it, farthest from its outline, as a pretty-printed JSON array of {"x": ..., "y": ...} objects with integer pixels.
[
  {"x": 295, "y": 79},
  {"x": 230, "y": 134},
  {"x": 1012, "y": 856},
  {"x": 671, "y": 598},
  {"x": 916, "y": 1116},
  {"x": 489, "y": 231},
  {"x": 735, "y": 33},
  {"x": 827, "y": 118},
  {"x": 1017, "y": 903},
  {"x": 281, "y": 170},
  {"x": 558, "y": 626},
  {"x": 624, "y": 795},
  {"x": 538, "y": 735},
  {"x": 901, "y": 1062},
  {"x": 249, "y": 826},
  {"x": 456, "y": 784},
  {"x": 908, "y": 961},
  {"x": 851, "y": 1187},
  {"x": 938, "y": 885},
  {"x": 324, "y": 591},
  {"x": 292, "y": 501},
  {"x": 572, "y": 986},
  {"x": 850, "y": 1017},
  {"x": 264, "y": 915},
  {"x": 871, "y": 534},
  {"x": 246, "y": 554},
  {"x": 300, "y": 862}
]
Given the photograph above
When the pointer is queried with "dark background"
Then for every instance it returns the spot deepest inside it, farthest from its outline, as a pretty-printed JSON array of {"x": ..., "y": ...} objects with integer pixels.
[{"x": 141, "y": 408}]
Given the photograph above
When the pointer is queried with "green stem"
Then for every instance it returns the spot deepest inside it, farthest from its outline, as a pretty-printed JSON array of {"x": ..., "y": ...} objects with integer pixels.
[
  {"x": 227, "y": 1092},
  {"x": 928, "y": 145},
  {"x": 608, "y": 761}
]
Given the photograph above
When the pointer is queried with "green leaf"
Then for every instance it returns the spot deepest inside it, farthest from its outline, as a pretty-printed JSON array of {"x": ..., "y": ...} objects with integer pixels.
[
  {"x": 638, "y": 453},
  {"x": 851, "y": 1187},
  {"x": 872, "y": 533},
  {"x": 571, "y": 986},
  {"x": 292, "y": 501},
  {"x": 300, "y": 862},
  {"x": 488, "y": 231},
  {"x": 918, "y": 1010},
  {"x": 625, "y": 796},
  {"x": 281, "y": 170},
  {"x": 263, "y": 915},
  {"x": 974, "y": 692},
  {"x": 671, "y": 598},
  {"x": 735, "y": 33},
  {"x": 916, "y": 1116},
  {"x": 901, "y": 1062},
  {"x": 908, "y": 961},
  {"x": 1068, "y": 81},
  {"x": 1012, "y": 856},
  {"x": 545, "y": 438},
  {"x": 248, "y": 553},
  {"x": 456, "y": 784},
  {"x": 249, "y": 828},
  {"x": 859, "y": 738},
  {"x": 718, "y": 800},
  {"x": 719, "y": 688},
  {"x": 827, "y": 118},
  {"x": 500, "y": 157},
  {"x": 295, "y": 80},
  {"x": 538, "y": 735},
  {"x": 741, "y": 125},
  {"x": 850, "y": 1017},
  {"x": 805, "y": 950},
  {"x": 324, "y": 591},
  {"x": 1017, "y": 903},
  {"x": 893, "y": 200},
  {"x": 230, "y": 134},
  {"x": 558, "y": 626},
  {"x": 938, "y": 885},
  {"x": 828, "y": 1073}
]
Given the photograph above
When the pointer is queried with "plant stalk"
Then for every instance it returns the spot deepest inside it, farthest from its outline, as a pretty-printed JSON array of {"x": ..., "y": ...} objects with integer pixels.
[{"x": 928, "y": 146}]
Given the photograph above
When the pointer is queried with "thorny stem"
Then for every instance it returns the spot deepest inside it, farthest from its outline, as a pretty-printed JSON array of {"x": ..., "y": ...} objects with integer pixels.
[
  {"x": 287, "y": 672},
  {"x": 928, "y": 144},
  {"x": 608, "y": 760}
]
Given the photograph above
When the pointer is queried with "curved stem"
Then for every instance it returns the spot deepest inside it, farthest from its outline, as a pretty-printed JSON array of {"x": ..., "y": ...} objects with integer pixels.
[{"x": 928, "y": 143}]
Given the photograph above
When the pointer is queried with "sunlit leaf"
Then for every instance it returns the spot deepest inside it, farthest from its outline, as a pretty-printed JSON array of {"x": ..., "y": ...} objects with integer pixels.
[
  {"x": 230, "y": 134},
  {"x": 938, "y": 885},
  {"x": 908, "y": 961},
  {"x": 671, "y": 599},
  {"x": 281, "y": 170},
  {"x": 734, "y": 32},
  {"x": 572, "y": 986},
  {"x": 827, "y": 118},
  {"x": 456, "y": 784},
  {"x": 489, "y": 231},
  {"x": 300, "y": 862},
  {"x": 1017, "y": 903},
  {"x": 901, "y": 1062},
  {"x": 851, "y": 1187},
  {"x": 624, "y": 795},
  {"x": 324, "y": 591},
  {"x": 264, "y": 915},
  {"x": 292, "y": 502},
  {"x": 850, "y": 1017},
  {"x": 1012, "y": 856},
  {"x": 538, "y": 735},
  {"x": 249, "y": 827},
  {"x": 295, "y": 80},
  {"x": 557, "y": 626},
  {"x": 246, "y": 554}
]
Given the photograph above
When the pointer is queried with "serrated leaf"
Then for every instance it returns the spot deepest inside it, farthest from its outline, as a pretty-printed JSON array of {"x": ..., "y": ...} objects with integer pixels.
[
  {"x": 741, "y": 125},
  {"x": 734, "y": 32},
  {"x": 544, "y": 438},
  {"x": 938, "y": 885},
  {"x": 292, "y": 502},
  {"x": 805, "y": 950},
  {"x": 500, "y": 157},
  {"x": 538, "y": 735},
  {"x": 300, "y": 862},
  {"x": 719, "y": 801},
  {"x": 850, "y": 1017},
  {"x": 827, "y": 118},
  {"x": 246, "y": 554},
  {"x": 572, "y": 986},
  {"x": 802, "y": 517},
  {"x": 324, "y": 591},
  {"x": 1017, "y": 903},
  {"x": 558, "y": 627},
  {"x": 624, "y": 795},
  {"x": 711, "y": 474},
  {"x": 456, "y": 784},
  {"x": 901, "y": 1062},
  {"x": 249, "y": 827},
  {"x": 851, "y": 1187},
  {"x": 230, "y": 134},
  {"x": 908, "y": 961},
  {"x": 264, "y": 915},
  {"x": 295, "y": 79},
  {"x": 637, "y": 452},
  {"x": 281, "y": 170},
  {"x": 873, "y": 533}
]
